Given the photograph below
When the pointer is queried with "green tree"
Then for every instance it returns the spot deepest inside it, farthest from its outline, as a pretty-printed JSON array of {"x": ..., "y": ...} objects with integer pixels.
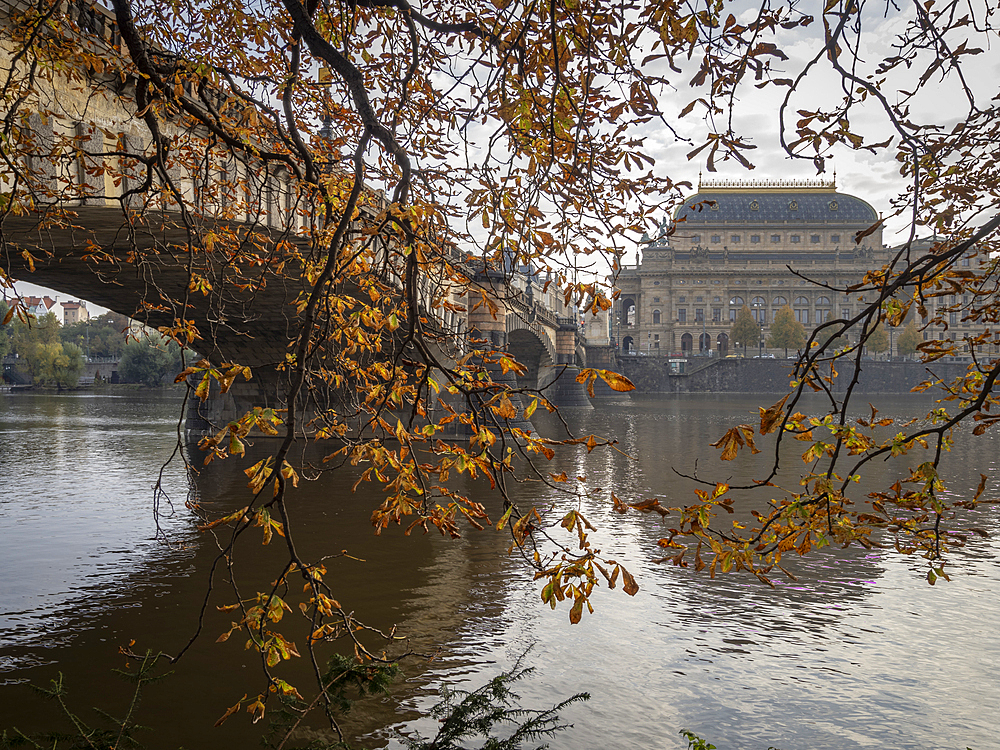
[
  {"x": 878, "y": 342},
  {"x": 786, "y": 332},
  {"x": 745, "y": 329},
  {"x": 101, "y": 336},
  {"x": 149, "y": 361},
  {"x": 909, "y": 340},
  {"x": 6, "y": 329},
  {"x": 43, "y": 356}
]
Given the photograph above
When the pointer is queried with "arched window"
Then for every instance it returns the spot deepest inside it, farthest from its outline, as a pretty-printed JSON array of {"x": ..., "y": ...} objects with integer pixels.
[
  {"x": 823, "y": 309},
  {"x": 758, "y": 301},
  {"x": 759, "y": 307},
  {"x": 802, "y": 310},
  {"x": 656, "y": 317},
  {"x": 736, "y": 301},
  {"x": 780, "y": 302}
]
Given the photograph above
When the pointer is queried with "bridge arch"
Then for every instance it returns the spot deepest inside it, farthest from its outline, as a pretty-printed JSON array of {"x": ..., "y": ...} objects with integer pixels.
[{"x": 530, "y": 346}]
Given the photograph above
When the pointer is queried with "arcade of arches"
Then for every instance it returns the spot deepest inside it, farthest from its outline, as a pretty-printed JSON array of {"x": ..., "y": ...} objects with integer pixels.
[{"x": 683, "y": 296}]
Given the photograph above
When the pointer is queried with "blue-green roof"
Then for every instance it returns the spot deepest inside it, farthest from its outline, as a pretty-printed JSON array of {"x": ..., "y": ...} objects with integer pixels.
[{"x": 775, "y": 207}]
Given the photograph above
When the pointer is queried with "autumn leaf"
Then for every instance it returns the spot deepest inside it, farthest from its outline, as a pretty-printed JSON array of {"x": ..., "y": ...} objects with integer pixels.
[
  {"x": 769, "y": 418},
  {"x": 231, "y": 710},
  {"x": 617, "y": 382}
]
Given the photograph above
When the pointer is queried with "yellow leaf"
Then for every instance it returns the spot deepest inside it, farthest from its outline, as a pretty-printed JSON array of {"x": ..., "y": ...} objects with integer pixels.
[{"x": 616, "y": 381}]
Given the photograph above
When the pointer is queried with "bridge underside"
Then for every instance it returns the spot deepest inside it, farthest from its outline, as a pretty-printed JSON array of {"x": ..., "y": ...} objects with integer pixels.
[
  {"x": 140, "y": 267},
  {"x": 143, "y": 270},
  {"x": 84, "y": 258}
]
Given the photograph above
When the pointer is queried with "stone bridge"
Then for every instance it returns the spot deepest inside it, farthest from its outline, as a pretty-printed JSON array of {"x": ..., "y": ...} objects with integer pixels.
[{"x": 137, "y": 259}]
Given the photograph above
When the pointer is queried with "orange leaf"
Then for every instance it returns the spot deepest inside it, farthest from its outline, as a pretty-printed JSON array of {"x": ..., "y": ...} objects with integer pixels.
[{"x": 616, "y": 381}]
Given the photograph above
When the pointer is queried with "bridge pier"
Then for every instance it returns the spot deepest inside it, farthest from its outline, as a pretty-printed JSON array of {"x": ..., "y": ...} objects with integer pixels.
[
  {"x": 488, "y": 330},
  {"x": 563, "y": 390}
]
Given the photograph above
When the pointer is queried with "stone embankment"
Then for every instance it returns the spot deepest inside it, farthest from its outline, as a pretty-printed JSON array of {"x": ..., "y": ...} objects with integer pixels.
[{"x": 652, "y": 375}]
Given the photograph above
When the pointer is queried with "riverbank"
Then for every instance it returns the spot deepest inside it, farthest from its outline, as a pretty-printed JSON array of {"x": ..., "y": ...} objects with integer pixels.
[
  {"x": 653, "y": 375},
  {"x": 101, "y": 388}
]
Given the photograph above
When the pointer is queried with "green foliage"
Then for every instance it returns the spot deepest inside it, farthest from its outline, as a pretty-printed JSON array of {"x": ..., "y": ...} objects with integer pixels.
[
  {"x": 697, "y": 743},
  {"x": 909, "y": 340},
  {"x": 831, "y": 340},
  {"x": 346, "y": 680},
  {"x": 786, "y": 332},
  {"x": 48, "y": 361},
  {"x": 465, "y": 716},
  {"x": 879, "y": 340},
  {"x": 6, "y": 330},
  {"x": 103, "y": 336},
  {"x": 149, "y": 361},
  {"x": 115, "y": 733},
  {"x": 745, "y": 329}
]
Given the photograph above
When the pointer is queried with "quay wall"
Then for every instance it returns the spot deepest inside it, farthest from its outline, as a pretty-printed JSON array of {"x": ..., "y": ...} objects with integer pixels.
[{"x": 652, "y": 375}]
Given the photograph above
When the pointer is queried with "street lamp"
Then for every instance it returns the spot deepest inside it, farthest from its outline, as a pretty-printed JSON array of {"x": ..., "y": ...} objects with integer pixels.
[{"x": 760, "y": 322}]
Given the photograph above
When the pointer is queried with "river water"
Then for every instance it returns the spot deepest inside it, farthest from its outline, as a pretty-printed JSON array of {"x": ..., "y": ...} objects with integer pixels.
[{"x": 858, "y": 653}]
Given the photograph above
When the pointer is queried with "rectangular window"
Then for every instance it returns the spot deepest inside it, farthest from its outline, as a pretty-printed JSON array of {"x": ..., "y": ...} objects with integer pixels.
[
  {"x": 716, "y": 314},
  {"x": 735, "y": 239},
  {"x": 775, "y": 238},
  {"x": 795, "y": 239},
  {"x": 656, "y": 299},
  {"x": 814, "y": 238},
  {"x": 834, "y": 238},
  {"x": 699, "y": 315},
  {"x": 965, "y": 262},
  {"x": 696, "y": 238},
  {"x": 732, "y": 315},
  {"x": 802, "y": 316},
  {"x": 716, "y": 239},
  {"x": 845, "y": 312},
  {"x": 754, "y": 239},
  {"x": 953, "y": 319},
  {"x": 682, "y": 315}
]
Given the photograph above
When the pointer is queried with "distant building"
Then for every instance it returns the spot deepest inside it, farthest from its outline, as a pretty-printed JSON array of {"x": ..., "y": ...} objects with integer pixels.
[
  {"x": 763, "y": 244},
  {"x": 39, "y": 306},
  {"x": 74, "y": 312}
]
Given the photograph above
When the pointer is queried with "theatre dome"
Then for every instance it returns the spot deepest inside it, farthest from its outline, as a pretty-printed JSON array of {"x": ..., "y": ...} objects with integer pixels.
[{"x": 805, "y": 202}]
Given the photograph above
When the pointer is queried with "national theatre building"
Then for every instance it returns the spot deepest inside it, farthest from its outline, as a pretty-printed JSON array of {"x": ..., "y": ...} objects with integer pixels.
[{"x": 762, "y": 244}]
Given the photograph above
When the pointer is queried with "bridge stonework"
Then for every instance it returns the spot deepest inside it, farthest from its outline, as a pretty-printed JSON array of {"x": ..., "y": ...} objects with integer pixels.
[{"x": 140, "y": 263}]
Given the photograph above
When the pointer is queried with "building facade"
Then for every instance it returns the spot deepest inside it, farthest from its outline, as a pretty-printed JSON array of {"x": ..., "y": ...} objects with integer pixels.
[{"x": 763, "y": 244}]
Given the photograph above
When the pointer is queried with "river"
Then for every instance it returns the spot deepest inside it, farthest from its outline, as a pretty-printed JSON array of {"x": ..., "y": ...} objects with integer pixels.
[{"x": 860, "y": 652}]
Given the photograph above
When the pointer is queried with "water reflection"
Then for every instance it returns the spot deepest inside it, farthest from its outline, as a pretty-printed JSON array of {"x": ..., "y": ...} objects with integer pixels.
[{"x": 857, "y": 653}]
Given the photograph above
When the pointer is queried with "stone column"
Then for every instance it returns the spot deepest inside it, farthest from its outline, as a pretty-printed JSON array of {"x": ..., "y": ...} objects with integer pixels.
[{"x": 565, "y": 391}]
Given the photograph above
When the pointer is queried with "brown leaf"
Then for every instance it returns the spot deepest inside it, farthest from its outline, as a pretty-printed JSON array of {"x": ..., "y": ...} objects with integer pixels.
[
  {"x": 769, "y": 418},
  {"x": 628, "y": 583}
]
